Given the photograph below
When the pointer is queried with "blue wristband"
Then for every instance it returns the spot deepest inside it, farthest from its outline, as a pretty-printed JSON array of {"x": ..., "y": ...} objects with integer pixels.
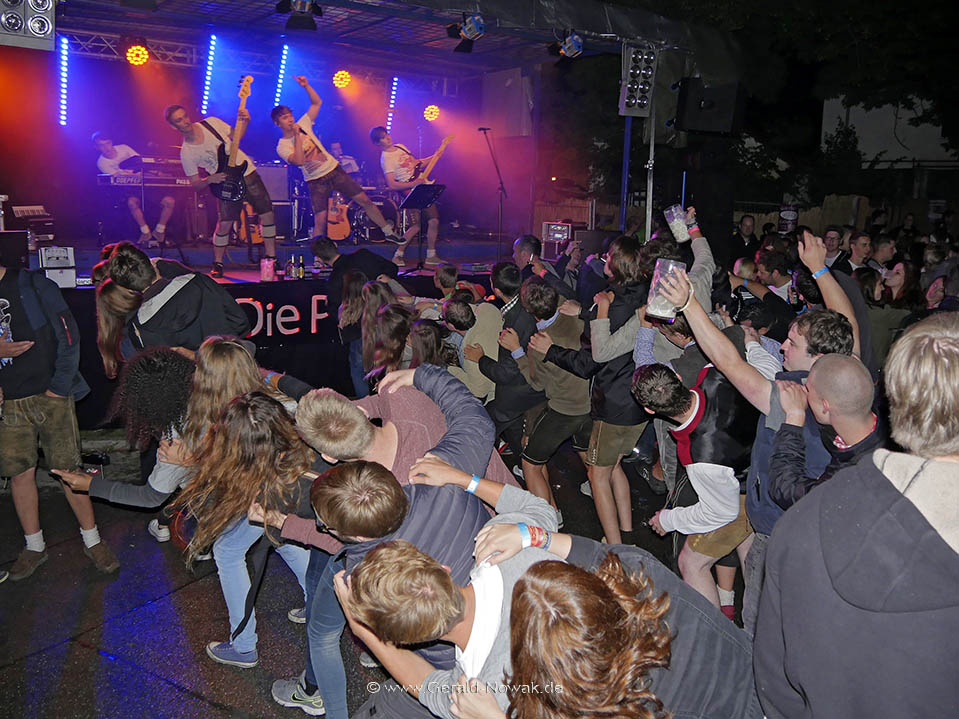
[
  {"x": 267, "y": 378},
  {"x": 820, "y": 272},
  {"x": 524, "y": 533},
  {"x": 474, "y": 483}
]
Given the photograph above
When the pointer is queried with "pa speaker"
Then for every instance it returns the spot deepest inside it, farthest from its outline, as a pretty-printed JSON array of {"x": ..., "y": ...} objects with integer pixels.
[{"x": 717, "y": 109}]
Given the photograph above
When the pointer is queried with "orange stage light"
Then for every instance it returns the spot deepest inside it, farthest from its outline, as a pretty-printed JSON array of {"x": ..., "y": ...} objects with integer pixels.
[
  {"x": 431, "y": 112},
  {"x": 341, "y": 79},
  {"x": 137, "y": 54}
]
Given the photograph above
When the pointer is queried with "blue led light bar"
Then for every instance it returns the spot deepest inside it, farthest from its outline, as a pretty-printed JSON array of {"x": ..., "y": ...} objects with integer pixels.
[
  {"x": 64, "y": 68},
  {"x": 209, "y": 75},
  {"x": 389, "y": 115},
  {"x": 282, "y": 74}
]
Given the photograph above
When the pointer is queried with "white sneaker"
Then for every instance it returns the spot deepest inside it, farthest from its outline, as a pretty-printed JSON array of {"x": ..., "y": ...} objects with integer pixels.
[
  {"x": 161, "y": 534},
  {"x": 399, "y": 260}
]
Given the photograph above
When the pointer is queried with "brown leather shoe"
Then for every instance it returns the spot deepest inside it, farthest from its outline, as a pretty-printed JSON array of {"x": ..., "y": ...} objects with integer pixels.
[
  {"x": 27, "y": 564},
  {"x": 103, "y": 557}
]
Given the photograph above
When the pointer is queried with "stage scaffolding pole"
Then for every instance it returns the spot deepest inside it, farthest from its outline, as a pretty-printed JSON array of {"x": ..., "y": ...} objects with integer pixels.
[
  {"x": 649, "y": 164},
  {"x": 624, "y": 180}
]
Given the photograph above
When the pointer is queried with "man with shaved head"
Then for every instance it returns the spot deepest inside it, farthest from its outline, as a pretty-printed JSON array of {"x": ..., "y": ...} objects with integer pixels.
[{"x": 839, "y": 392}]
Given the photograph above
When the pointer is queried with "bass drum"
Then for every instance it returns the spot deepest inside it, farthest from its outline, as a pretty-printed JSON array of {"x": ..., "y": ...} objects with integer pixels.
[{"x": 363, "y": 227}]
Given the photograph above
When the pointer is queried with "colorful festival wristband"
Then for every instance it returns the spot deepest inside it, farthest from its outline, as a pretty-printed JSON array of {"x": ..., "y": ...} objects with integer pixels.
[
  {"x": 820, "y": 272},
  {"x": 524, "y": 533},
  {"x": 474, "y": 483}
]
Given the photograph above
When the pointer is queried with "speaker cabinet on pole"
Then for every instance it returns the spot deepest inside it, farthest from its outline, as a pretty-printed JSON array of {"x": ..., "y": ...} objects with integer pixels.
[
  {"x": 718, "y": 109},
  {"x": 13, "y": 249}
]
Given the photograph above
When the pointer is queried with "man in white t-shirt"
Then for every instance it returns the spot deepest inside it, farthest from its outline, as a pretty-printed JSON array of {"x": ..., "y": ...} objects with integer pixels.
[
  {"x": 300, "y": 146},
  {"x": 199, "y": 151},
  {"x": 398, "y": 165},
  {"x": 111, "y": 157}
]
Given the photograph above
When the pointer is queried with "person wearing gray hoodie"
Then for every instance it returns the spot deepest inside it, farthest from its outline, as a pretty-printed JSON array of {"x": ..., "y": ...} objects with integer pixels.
[{"x": 860, "y": 605}]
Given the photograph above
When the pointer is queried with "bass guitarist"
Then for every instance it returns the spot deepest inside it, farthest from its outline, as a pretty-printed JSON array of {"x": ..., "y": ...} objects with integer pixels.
[
  {"x": 399, "y": 166},
  {"x": 201, "y": 141}
]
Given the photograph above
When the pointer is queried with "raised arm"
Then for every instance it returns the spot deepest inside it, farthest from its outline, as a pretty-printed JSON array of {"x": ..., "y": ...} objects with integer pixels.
[
  {"x": 720, "y": 350},
  {"x": 315, "y": 101},
  {"x": 812, "y": 253}
]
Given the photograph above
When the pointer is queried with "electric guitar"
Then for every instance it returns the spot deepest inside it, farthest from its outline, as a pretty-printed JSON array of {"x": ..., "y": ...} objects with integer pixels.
[
  {"x": 233, "y": 188},
  {"x": 420, "y": 171}
]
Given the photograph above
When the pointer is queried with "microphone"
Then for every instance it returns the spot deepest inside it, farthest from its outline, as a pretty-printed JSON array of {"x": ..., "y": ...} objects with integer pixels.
[{"x": 483, "y": 129}]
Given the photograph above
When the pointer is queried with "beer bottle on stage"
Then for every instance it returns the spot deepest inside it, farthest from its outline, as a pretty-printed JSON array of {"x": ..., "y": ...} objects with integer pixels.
[
  {"x": 301, "y": 269},
  {"x": 290, "y": 268}
]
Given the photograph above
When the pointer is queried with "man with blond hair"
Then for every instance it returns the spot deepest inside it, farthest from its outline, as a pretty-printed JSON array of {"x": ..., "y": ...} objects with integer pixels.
[
  {"x": 376, "y": 460},
  {"x": 860, "y": 601},
  {"x": 407, "y": 597}
]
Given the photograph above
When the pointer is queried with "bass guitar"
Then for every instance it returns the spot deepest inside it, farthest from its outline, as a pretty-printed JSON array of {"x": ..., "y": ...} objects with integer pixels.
[
  {"x": 233, "y": 188},
  {"x": 420, "y": 171}
]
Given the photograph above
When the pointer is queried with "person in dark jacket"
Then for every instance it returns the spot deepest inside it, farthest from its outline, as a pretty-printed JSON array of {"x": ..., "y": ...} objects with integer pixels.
[
  {"x": 840, "y": 393},
  {"x": 527, "y": 255},
  {"x": 39, "y": 382},
  {"x": 813, "y": 333},
  {"x": 859, "y": 609},
  {"x": 514, "y": 396},
  {"x": 367, "y": 262},
  {"x": 618, "y": 421},
  {"x": 180, "y": 308}
]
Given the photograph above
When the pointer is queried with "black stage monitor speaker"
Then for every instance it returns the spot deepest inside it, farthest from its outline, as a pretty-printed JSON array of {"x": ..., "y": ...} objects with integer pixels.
[
  {"x": 718, "y": 109},
  {"x": 13, "y": 249},
  {"x": 592, "y": 240}
]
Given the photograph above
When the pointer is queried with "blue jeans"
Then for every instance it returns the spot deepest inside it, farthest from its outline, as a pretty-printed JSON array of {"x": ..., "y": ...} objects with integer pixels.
[
  {"x": 324, "y": 627},
  {"x": 360, "y": 386},
  {"x": 314, "y": 573},
  {"x": 229, "y": 553}
]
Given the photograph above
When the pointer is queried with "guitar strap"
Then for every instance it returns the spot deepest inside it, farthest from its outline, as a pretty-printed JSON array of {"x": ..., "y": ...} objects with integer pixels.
[{"x": 216, "y": 134}]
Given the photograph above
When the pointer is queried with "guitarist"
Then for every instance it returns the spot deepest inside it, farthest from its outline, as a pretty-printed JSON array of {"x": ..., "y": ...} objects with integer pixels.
[
  {"x": 399, "y": 166},
  {"x": 199, "y": 151},
  {"x": 300, "y": 146}
]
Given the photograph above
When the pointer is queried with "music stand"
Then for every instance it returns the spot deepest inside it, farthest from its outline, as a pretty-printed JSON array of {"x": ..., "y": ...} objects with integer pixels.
[{"x": 421, "y": 197}]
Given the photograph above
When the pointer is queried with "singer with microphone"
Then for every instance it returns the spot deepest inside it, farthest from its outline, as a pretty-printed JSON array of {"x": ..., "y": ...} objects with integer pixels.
[{"x": 322, "y": 172}]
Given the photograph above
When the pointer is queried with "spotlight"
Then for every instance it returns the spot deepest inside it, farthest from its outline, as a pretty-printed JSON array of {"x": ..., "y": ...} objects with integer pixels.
[
  {"x": 431, "y": 112},
  {"x": 472, "y": 28},
  {"x": 302, "y": 13},
  {"x": 572, "y": 45},
  {"x": 136, "y": 51},
  {"x": 341, "y": 79},
  {"x": 637, "y": 82}
]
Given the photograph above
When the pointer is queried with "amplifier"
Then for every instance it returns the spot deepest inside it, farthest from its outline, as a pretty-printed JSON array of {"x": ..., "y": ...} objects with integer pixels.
[
  {"x": 58, "y": 265},
  {"x": 13, "y": 249},
  {"x": 276, "y": 179}
]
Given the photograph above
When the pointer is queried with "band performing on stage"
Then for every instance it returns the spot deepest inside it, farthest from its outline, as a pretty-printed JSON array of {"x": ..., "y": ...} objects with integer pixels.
[{"x": 210, "y": 157}]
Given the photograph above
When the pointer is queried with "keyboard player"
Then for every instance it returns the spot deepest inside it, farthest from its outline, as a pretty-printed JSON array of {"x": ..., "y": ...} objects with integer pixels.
[{"x": 111, "y": 157}]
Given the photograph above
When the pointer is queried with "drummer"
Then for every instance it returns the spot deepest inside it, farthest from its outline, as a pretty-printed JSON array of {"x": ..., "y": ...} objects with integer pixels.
[
  {"x": 323, "y": 174},
  {"x": 347, "y": 162}
]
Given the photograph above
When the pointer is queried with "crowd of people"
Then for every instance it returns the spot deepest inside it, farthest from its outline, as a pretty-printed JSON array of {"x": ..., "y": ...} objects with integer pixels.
[{"x": 820, "y": 366}]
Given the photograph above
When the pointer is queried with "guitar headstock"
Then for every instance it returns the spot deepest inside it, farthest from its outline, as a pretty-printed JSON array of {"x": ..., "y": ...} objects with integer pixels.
[{"x": 245, "y": 87}]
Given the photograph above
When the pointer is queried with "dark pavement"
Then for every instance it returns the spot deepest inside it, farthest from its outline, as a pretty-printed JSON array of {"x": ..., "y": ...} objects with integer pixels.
[{"x": 75, "y": 643}]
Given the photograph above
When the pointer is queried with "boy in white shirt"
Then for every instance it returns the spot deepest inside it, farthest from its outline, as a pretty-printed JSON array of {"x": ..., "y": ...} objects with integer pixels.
[
  {"x": 300, "y": 146},
  {"x": 111, "y": 157},
  {"x": 201, "y": 141},
  {"x": 398, "y": 165}
]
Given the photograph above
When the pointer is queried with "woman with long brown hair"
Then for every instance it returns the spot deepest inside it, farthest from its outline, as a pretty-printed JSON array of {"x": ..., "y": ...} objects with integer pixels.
[
  {"x": 374, "y": 295},
  {"x": 114, "y": 304},
  {"x": 225, "y": 462},
  {"x": 390, "y": 348},
  {"x": 348, "y": 322}
]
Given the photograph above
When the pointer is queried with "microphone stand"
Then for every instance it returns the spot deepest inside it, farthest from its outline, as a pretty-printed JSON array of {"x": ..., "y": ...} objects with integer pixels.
[{"x": 501, "y": 190}]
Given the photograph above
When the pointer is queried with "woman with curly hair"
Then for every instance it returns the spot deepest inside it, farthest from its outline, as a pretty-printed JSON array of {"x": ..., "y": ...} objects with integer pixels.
[
  {"x": 252, "y": 453},
  {"x": 114, "y": 304},
  {"x": 603, "y": 632}
]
